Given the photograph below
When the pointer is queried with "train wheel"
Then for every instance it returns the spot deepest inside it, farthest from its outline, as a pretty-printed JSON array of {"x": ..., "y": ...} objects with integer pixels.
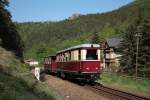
[
  {"x": 58, "y": 74},
  {"x": 92, "y": 82},
  {"x": 62, "y": 75}
]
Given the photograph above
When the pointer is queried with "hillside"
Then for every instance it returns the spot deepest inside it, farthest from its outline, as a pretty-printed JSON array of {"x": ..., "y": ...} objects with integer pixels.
[
  {"x": 17, "y": 83},
  {"x": 53, "y": 36}
]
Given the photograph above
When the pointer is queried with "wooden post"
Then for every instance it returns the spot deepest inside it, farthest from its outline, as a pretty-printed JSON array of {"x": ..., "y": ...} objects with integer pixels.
[{"x": 137, "y": 53}]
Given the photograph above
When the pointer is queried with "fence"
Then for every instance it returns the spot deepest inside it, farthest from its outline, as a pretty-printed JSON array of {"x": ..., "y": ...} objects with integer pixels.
[{"x": 128, "y": 76}]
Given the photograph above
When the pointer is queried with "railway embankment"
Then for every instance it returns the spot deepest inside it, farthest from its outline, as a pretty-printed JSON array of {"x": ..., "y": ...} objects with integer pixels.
[
  {"x": 17, "y": 83},
  {"x": 70, "y": 91},
  {"x": 128, "y": 84}
]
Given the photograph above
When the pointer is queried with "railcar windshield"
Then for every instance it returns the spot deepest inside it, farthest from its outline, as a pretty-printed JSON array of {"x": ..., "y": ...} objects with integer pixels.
[{"x": 91, "y": 55}]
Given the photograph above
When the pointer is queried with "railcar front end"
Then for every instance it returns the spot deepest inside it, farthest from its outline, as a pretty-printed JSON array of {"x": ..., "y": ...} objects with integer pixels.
[
  {"x": 50, "y": 63},
  {"x": 80, "y": 62}
]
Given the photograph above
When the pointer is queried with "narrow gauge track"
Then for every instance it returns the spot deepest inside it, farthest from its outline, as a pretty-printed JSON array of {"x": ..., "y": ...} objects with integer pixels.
[{"x": 114, "y": 94}]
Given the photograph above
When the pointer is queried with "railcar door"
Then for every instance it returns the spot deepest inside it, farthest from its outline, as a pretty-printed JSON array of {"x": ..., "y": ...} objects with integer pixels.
[{"x": 53, "y": 64}]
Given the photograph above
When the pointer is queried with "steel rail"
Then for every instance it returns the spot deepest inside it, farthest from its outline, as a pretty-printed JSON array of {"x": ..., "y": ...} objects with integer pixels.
[{"x": 116, "y": 93}]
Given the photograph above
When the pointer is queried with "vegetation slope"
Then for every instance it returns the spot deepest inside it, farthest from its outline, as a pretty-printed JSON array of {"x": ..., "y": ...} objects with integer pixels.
[
  {"x": 9, "y": 37},
  {"x": 53, "y": 36},
  {"x": 17, "y": 83}
]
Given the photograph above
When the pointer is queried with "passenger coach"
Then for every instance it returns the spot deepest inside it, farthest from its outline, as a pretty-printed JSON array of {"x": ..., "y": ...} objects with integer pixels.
[
  {"x": 50, "y": 63},
  {"x": 81, "y": 62}
]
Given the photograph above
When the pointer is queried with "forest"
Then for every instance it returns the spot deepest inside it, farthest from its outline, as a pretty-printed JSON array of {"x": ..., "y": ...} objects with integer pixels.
[
  {"x": 37, "y": 39},
  {"x": 9, "y": 37},
  {"x": 34, "y": 40},
  {"x": 53, "y": 36},
  {"x": 42, "y": 38}
]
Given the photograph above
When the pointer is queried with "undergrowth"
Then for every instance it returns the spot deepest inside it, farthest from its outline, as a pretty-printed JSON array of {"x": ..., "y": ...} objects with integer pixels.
[
  {"x": 17, "y": 82},
  {"x": 128, "y": 83}
]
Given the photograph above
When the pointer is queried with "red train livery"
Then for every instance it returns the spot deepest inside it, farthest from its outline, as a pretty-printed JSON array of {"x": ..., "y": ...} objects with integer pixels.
[
  {"x": 80, "y": 62},
  {"x": 50, "y": 63}
]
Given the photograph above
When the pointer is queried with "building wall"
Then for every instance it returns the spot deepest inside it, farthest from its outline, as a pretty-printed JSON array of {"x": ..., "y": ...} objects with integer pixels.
[{"x": 111, "y": 59}]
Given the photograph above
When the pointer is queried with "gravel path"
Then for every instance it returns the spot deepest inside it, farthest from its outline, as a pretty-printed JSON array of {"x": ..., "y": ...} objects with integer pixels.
[{"x": 70, "y": 91}]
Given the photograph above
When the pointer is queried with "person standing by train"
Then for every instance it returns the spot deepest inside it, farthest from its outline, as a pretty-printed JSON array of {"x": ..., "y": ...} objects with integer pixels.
[{"x": 37, "y": 73}]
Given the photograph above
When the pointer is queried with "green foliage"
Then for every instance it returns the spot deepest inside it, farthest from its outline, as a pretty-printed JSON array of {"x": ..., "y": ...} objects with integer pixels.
[
  {"x": 62, "y": 34},
  {"x": 95, "y": 39},
  {"x": 12, "y": 64},
  {"x": 140, "y": 29},
  {"x": 17, "y": 83},
  {"x": 125, "y": 83},
  {"x": 41, "y": 52},
  {"x": 22, "y": 88},
  {"x": 10, "y": 39}
]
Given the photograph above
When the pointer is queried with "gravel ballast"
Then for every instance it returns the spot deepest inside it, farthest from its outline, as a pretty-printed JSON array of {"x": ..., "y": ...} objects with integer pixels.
[{"x": 70, "y": 91}]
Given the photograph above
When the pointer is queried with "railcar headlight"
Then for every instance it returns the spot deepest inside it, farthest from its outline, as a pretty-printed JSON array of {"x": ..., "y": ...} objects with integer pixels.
[
  {"x": 87, "y": 68},
  {"x": 96, "y": 68},
  {"x": 80, "y": 67}
]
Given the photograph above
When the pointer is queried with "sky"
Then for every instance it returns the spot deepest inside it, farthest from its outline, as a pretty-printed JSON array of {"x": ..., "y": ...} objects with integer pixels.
[{"x": 56, "y": 10}]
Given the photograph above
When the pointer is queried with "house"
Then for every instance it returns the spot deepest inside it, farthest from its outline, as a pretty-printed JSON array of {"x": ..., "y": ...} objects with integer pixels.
[
  {"x": 31, "y": 62},
  {"x": 111, "y": 53}
]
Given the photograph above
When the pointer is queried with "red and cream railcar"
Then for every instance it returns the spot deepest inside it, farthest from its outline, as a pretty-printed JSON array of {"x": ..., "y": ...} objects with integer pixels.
[
  {"x": 82, "y": 61},
  {"x": 50, "y": 63}
]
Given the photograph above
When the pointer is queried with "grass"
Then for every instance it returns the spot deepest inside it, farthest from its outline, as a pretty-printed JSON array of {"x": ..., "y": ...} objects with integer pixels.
[
  {"x": 20, "y": 87},
  {"x": 40, "y": 89},
  {"x": 14, "y": 89},
  {"x": 126, "y": 83},
  {"x": 17, "y": 83}
]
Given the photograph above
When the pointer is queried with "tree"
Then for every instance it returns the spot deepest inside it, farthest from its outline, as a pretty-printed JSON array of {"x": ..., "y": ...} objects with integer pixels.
[
  {"x": 41, "y": 52},
  {"x": 140, "y": 27},
  {"x": 95, "y": 39},
  {"x": 9, "y": 36}
]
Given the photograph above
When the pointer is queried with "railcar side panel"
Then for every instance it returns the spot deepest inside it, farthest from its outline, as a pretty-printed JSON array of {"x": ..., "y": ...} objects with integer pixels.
[{"x": 90, "y": 66}]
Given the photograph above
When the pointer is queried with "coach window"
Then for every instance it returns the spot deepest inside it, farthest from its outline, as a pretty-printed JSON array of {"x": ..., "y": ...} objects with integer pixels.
[
  {"x": 98, "y": 53},
  {"x": 91, "y": 55},
  {"x": 64, "y": 58},
  {"x": 61, "y": 57},
  {"x": 67, "y": 56},
  {"x": 83, "y": 54},
  {"x": 74, "y": 55}
]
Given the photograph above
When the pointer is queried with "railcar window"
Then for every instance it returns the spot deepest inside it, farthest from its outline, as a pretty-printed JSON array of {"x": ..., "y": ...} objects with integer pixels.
[
  {"x": 74, "y": 55},
  {"x": 83, "y": 54},
  {"x": 91, "y": 55},
  {"x": 53, "y": 59}
]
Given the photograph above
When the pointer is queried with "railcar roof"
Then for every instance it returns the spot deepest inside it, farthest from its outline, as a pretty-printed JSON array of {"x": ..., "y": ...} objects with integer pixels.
[
  {"x": 114, "y": 42},
  {"x": 51, "y": 54},
  {"x": 80, "y": 46}
]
